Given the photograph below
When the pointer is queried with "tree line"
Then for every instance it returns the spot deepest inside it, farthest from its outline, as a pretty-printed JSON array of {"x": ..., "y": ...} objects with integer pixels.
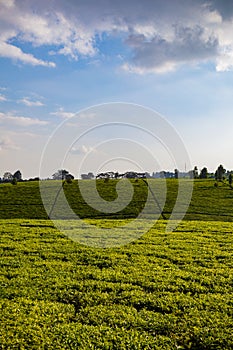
[
  {"x": 220, "y": 174},
  {"x": 13, "y": 178}
]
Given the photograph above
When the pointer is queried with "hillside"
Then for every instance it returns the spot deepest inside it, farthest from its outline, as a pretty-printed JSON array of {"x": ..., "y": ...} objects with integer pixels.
[{"x": 208, "y": 202}]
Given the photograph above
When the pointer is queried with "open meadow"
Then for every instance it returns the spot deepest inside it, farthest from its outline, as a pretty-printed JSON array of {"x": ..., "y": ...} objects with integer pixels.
[{"x": 165, "y": 290}]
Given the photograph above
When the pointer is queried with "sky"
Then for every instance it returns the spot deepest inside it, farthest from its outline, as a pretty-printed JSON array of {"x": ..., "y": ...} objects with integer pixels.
[{"x": 59, "y": 58}]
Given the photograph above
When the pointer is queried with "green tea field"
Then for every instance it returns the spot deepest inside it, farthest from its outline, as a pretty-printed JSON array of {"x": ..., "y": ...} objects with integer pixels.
[
  {"x": 165, "y": 290},
  {"x": 208, "y": 202}
]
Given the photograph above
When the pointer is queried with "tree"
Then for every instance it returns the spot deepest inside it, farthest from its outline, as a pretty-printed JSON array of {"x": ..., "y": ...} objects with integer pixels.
[
  {"x": 7, "y": 177},
  {"x": 14, "y": 181},
  {"x": 88, "y": 176},
  {"x": 203, "y": 173},
  {"x": 69, "y": 177},
  {"x": 230, "y": 180},
  {"x": 219, "y": 173},
  {"x": 195, "y": 172},
  {"x": 60, "y": 174},
  {"x": 91, "y": 175},
  {"x": 17, "y": 175}
]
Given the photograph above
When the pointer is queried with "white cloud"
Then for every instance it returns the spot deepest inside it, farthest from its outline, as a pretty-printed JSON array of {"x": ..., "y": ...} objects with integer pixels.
[
  {"x": 8, "y": 3},
  {"x": 62, "y": 114},
  {"x": 159, "y": 69},
  {"x": 11, "y": 51},
  {"x": 225, "y": 62},
  {"x": 161, "y": 35},
  {"x": 41, "y": 27},
  {"x": 82, "y": 150},
  {"x": 20, "y": 120},
  {"x": 2, "y": 98},
  {"x": 30, "y": 103}
]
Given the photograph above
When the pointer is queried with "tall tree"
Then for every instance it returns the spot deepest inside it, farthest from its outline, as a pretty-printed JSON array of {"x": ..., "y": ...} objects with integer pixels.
[
  {"x": 220, "y": 173},
  {"x": 176, "y": 171},
  {"x": 195, "y": 172},
  {"x": 203, "y": 173},
  {"x": 18, "y": 175},
  {"x": 230, "y": 180}
]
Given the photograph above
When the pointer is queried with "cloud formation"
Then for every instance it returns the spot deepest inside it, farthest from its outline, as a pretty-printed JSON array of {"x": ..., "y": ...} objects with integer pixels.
[
  {"x": 160, "y": 35},
  {"x": 82, "y": 150},
  {"x": 6, "y": 118},
  {"x": 2, "y": 98},
  {"x": 30, "y": 103},
  {"x": 62, "y": 114}
]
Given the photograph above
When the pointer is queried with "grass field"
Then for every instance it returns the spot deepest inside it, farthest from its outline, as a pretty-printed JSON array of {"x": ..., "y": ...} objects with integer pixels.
[{"x": 162, "y": 291}]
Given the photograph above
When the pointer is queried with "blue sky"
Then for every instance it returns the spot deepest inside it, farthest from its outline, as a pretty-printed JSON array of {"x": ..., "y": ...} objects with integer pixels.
[{"x": 59, "y": 57}]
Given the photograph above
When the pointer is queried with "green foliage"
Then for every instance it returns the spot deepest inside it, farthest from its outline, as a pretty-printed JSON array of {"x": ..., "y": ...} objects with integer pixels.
[
  {"x": 219, "y": 174},
  {"x": 230, "y": 180},
  {"x": 163, "y": 291},
  {"x": 14, "y": 181},
  {"x": 17, "y": 175},
  {"x": 208, "y": 202},
  {"x": 204, "y": 173},
  {"x": 21, "y": 201}
]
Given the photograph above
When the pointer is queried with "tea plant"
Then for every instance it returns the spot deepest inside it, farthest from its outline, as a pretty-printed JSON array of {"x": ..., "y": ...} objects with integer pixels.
[{"x": 162, "y": 291}]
